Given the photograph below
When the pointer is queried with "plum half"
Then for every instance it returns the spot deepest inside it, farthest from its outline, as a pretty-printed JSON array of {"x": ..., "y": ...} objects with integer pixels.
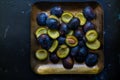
[
  {"x": 71, "y": 41},
  {"x": 63, "y": 51},
  {"x": 66, "y": 17},
  {"x": 41, "y": 54}
]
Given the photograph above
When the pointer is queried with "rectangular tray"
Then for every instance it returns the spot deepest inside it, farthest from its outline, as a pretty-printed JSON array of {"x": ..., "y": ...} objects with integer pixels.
[{"x": 47, "y": 67}]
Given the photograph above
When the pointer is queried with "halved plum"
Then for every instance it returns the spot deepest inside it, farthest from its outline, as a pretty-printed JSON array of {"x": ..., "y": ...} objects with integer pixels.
[
  {"x": 39, "y": 31},
  {"x": 91, "y": 35},
  {"x": 41, "y": 54},
  {"x": 81, "y": 17},
  {"x": 63, "y": 51},
  {"x": 66, "y": 17},
  {"x": 53, "y": 33},
  {"x": 93, "y": 45},
  {"x": 71, "y": 41},
  {"x": 54, "y": 46}
]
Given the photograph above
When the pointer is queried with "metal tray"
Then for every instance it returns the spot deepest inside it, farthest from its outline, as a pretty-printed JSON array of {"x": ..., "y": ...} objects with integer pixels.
[{"x": 47, "y": 67}]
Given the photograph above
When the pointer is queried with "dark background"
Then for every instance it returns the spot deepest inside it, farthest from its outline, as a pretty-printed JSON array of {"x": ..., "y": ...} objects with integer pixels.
[{"x": 15, "y": 42}]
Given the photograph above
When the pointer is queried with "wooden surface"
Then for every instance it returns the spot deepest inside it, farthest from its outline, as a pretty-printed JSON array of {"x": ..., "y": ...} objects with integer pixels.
[{"x": 47, "y": 67}]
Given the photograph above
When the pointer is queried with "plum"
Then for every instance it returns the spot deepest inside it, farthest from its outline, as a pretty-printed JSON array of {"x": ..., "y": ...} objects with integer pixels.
[
  {"x": 66, "y": 17},
  {"x": 93, "y": 45},
  {"x": 68, "y": 62},
  {"x": 41, "y": 54},
  {"x": 64, "y": 29},
  {"x": 39, "y": 31},
  {"x": 91, "y": 59},
  {"x": 89, "y": 13},
  {"x": 57, "y": 11},
  {"x": 52, "y": 23},
  {"x": 63, "y": 51},
  {"x": 53, "y": 46},
  {"x": 83, "y": 51},
  {"x": 74, "y": 23},
  {"x": 79, "y": 34},
  {"x": 74, "y": 51},
  {"x": 45, "y": 41},
  {"x": 81, "y": 56},
  {"x": 54, "y": 58},
  {"x": 41, "y": 19},
  {"x": 81, "y": 17},
  {"x": 53, "y": 33},
  {"x": 91, "y": 35},
  {"x": 61, "y": 40},
  {"x": 88, "y": 26},
  {"x": 71, "y": 41}
]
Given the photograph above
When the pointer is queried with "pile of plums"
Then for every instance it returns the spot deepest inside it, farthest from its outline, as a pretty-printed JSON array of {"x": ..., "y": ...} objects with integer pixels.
[{"x": 67, "y": 37}]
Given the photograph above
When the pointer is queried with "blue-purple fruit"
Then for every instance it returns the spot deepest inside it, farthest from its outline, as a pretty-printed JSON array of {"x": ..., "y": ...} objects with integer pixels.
[
  {"x": 45, "y": 41},
  {"x": 61, "y": 40},
  {"x": 74, "y": 23},
  {"x": 91, "y": 59},
  {"x": 71, "y": 41},
  {"x": 88, "y": 26},
  {"x": 81, "y": 56},
  {"x": 41, "y": 19},
  {"x": 41, "y": 54},
  {"x": 57, "y": 11},
  {"x": 54, "y": 58},
  {"x": 52, "y": 23},
  {"x": 79, "y": 34},
  {"x": 68, "y": 62},
  {"x": 64, "y": 29},
  {"x": 89, "y": 13},
  {"x": 74, "y": 51}
]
